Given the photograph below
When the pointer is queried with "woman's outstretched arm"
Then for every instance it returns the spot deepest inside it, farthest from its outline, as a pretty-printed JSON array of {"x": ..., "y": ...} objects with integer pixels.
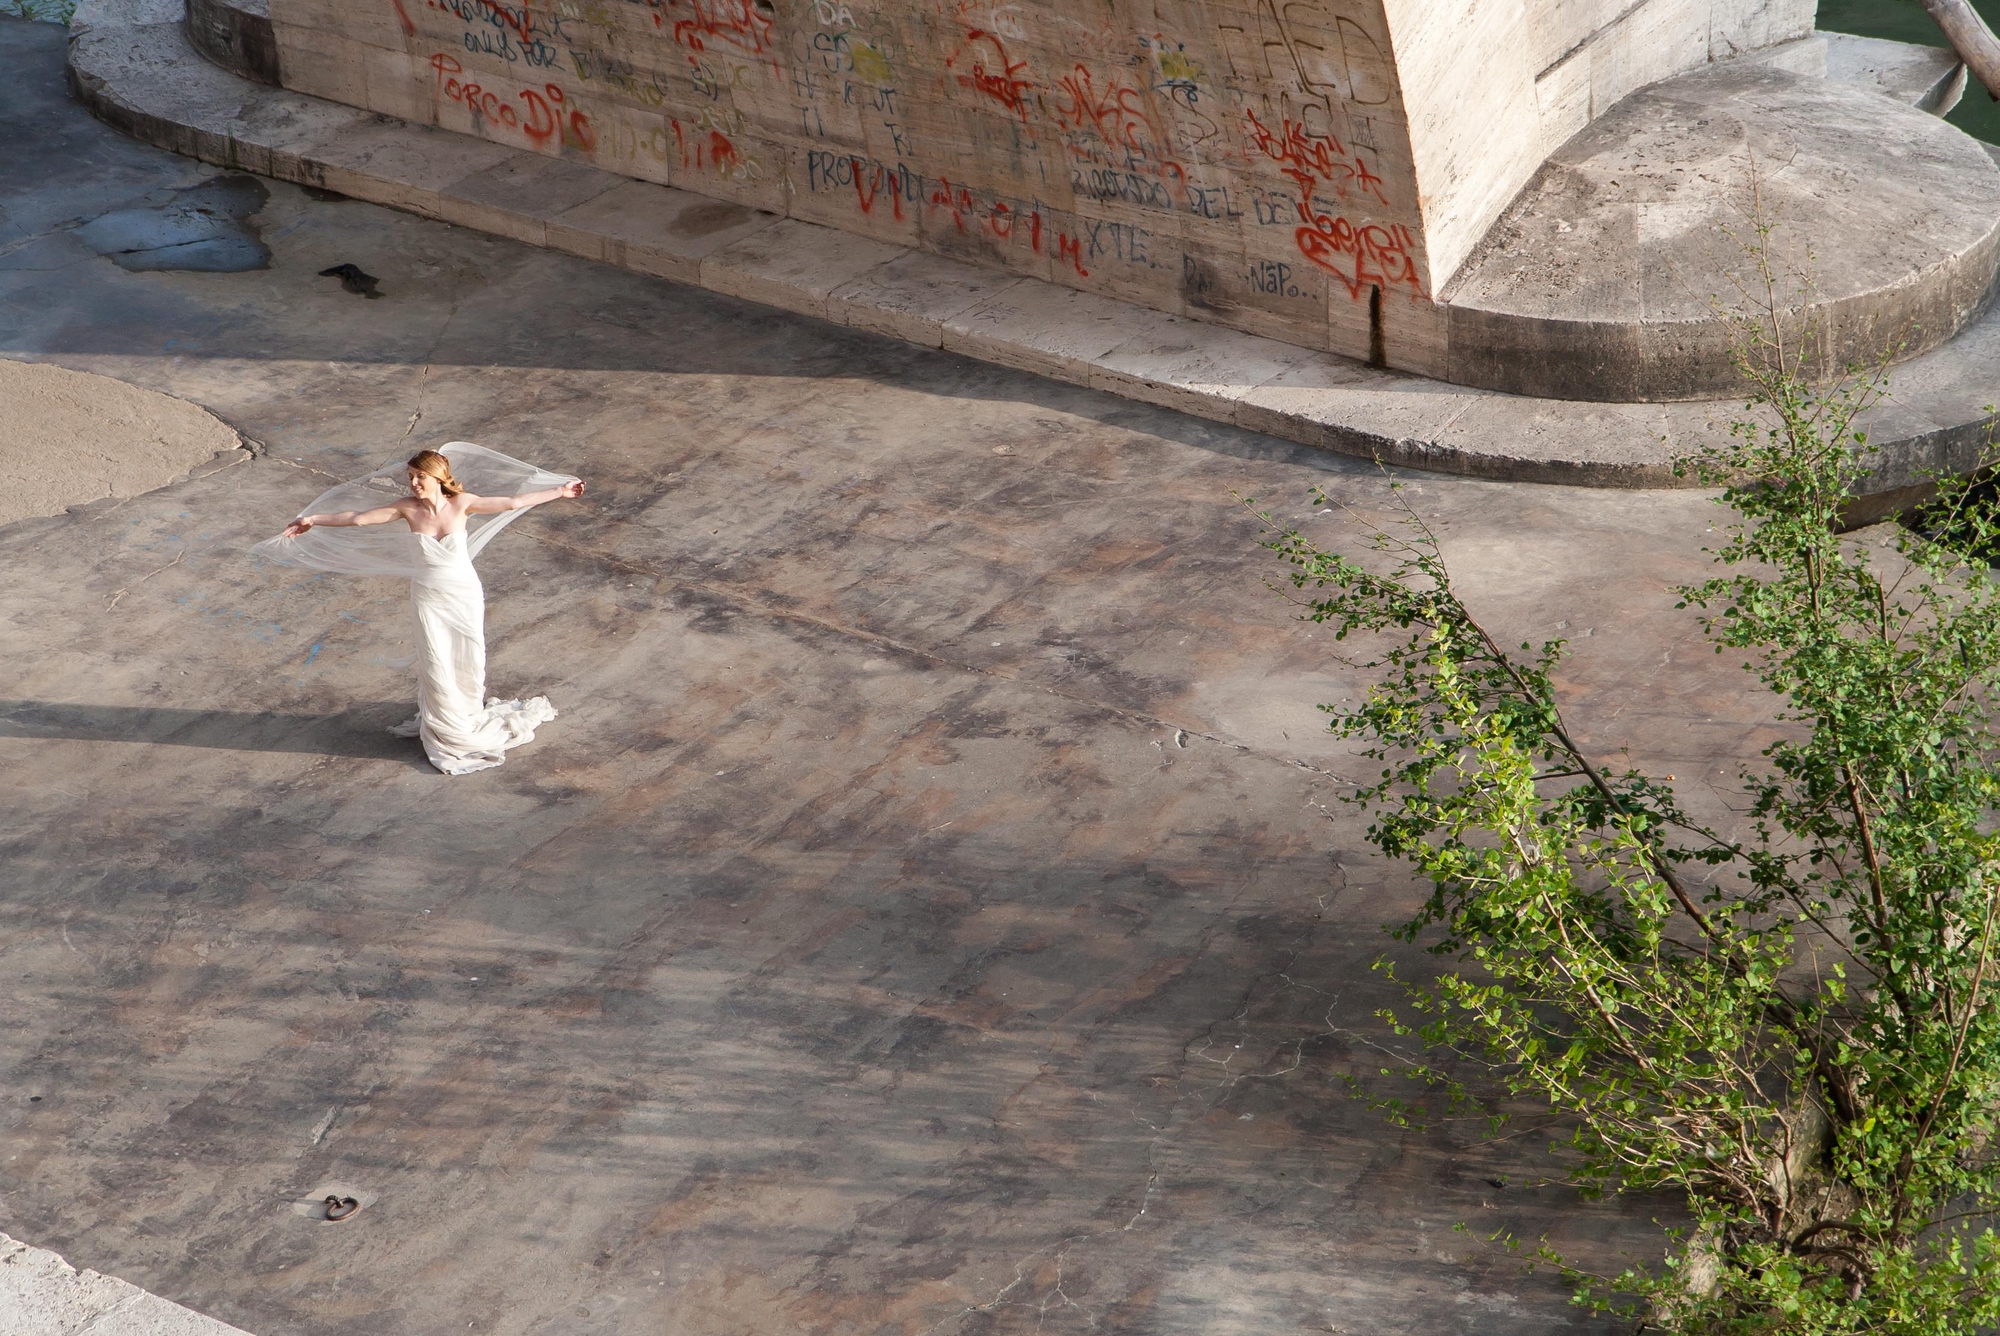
[
  {"x": 493, "y": 505},
  {"x": 345, "y": 519}
]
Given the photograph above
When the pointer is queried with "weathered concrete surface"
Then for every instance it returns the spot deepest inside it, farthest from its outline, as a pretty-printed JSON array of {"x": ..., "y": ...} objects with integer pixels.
[
  {"x": 1602, "y": 280},
  {"x": 930, "y": 914},
  {"x": 73, "y": 438},
  {"x": 236, "y": 34},
  {"x": 136, "y": 70},
  {"x": 42, "y": 1295},
  {"x": 1929, "y": 78}
]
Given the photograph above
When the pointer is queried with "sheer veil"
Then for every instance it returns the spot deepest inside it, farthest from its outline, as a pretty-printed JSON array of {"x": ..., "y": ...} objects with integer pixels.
[{"x": 391, "y": 549}]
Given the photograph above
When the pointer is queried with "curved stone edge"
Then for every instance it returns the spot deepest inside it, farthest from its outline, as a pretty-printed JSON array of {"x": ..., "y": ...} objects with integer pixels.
[
  {"x": 41, "y": 1293},
  {"x": 1590, "y": 343},
  {"x": 237, "y": 35},
  {"x": 142, "y": 75},
  {"x": 1929, "y": 78}
]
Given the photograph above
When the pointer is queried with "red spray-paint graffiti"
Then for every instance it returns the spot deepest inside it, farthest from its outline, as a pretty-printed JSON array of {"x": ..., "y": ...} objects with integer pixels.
[
  {"x": 731, "y": 24},
  {"x": 549, "y": 121},
  {"x": 1067, "y": 248},
  {"x": 998, "y": 217},
  {"x": 1118, "y": 116},
  {"x": 958, "y": 205},
  {"x": 706, "y": 150},
  {"x": 1322, "y": 157},
  {"x": 1360, "y": 255},
  {"x": 875, "y": 182},
  {"x": 969, "y": 210},
  {"x": 1118, "y": 144},
  {"x": 1000, "y": 81}
]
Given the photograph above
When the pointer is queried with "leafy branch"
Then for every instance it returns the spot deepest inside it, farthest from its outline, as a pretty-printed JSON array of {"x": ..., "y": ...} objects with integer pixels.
[{"x": 1793, "y": 1025}]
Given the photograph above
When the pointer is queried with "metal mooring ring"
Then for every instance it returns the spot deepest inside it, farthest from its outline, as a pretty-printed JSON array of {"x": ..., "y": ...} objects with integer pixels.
[{"x": 339, "y": 1208}]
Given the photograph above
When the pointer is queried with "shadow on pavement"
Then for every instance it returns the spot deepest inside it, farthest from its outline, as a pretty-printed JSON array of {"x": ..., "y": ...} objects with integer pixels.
[{"x": 359, "y": 731}]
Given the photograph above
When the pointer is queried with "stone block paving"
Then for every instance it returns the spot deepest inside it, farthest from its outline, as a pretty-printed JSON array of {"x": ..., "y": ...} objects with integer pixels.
[{"x": 931, "y": 913}]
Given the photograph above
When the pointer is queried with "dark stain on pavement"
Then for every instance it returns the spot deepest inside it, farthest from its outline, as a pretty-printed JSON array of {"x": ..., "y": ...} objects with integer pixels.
[{"x": 204, "y": 228}]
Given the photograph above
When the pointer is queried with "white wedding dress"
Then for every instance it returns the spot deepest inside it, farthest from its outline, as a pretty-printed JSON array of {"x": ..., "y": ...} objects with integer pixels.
[{"x": 462, "y": 730}]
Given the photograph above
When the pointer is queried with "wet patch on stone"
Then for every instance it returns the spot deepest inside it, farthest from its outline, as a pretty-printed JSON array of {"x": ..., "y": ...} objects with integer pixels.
[{"x": 203, "y": 228}]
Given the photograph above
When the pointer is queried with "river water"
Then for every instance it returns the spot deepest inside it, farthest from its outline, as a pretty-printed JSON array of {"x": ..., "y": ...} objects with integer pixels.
[{"x": 1905, "y": 20}]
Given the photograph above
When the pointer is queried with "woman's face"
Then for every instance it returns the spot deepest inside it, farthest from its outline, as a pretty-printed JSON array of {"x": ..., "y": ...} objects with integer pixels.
[{"x": 423, "y": 486}]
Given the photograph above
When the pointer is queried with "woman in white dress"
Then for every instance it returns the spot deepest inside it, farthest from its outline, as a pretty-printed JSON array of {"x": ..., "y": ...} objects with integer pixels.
[{"x": 448, "y": 523}]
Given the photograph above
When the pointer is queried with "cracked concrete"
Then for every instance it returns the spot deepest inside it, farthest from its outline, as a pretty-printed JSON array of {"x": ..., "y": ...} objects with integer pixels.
[{"x": 931, "y": 911}]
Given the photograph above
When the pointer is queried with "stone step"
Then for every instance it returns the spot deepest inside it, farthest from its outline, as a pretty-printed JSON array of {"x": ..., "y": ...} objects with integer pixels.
[
  {"x": 1601, "y": 281},
  {"x": 1929, "y": 78},
  {"x": 131, "y": 62},
  {"x": 236, "y": 34},
  {"x": 1611, "y": 275}
]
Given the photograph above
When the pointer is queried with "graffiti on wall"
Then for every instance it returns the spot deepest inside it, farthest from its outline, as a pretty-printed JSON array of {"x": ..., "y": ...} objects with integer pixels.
[
  {"x": 1360, "y": 255},
  {"x": 984, "y": 66},
  {"x": 739, "y": 27},
  {"x": 544, "y": 120},
  {"x": 1259, "y": 160}
]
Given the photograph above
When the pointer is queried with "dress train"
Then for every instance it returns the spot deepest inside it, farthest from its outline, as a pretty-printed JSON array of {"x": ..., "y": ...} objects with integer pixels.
[{"x": 462, "y": 728}]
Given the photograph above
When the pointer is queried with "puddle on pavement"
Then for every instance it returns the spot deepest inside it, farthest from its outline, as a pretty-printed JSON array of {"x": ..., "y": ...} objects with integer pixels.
[{"x": 203, "y": 228}]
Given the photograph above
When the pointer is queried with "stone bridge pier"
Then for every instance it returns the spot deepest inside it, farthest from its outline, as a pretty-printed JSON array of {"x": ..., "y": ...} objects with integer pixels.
[
  {"x": 1465, "y": 189},
  {"x": 1494, "y": 236}
]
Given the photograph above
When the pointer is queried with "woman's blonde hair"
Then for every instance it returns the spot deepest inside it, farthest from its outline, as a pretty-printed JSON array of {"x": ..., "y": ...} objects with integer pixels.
[{"x": 435, "y": 464}]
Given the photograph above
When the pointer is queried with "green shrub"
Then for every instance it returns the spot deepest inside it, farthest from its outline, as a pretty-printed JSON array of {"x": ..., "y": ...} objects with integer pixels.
[
  {"x": 46, "y": 11},
  {"x": 1794, "y": 1024}
]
